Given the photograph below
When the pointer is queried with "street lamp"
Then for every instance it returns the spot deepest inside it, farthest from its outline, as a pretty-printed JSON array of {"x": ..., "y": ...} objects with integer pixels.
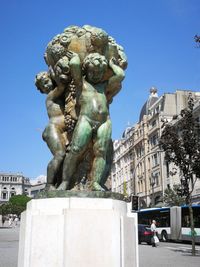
[{"x": 152, "y": 183}]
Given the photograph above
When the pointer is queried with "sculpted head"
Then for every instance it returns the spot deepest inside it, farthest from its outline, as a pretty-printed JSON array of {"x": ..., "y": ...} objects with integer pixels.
[
  {"x": 43, "y": 82},
  {"x": 99, "y": 38},
  {"x": 54, "y": 53},
  {"x": 94, "y": 67},
  {"x": 62, "y": 70}
]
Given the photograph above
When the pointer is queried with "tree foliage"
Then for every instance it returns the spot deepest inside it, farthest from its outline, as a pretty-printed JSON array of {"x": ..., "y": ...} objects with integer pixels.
[
  {"x": 6, "y": 209},
  {"x": 197, "y": 39},
  {"x": 19, "y": 200},
  {"x": 180, "y": 141},
  {"x": 125, "y": 189},
  {"x": 172, "y": 196},
  {"x": 15, "y": 205}
]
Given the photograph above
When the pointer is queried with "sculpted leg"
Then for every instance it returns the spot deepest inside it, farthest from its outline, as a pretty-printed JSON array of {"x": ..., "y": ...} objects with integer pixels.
[
  {"x": 109, "y": 160},
  {"x": 55, "y": 142},
  {"x": 53, "y": 168},
  {"x": 100, "y": 151},
  {"x": 81, "y": 137}
]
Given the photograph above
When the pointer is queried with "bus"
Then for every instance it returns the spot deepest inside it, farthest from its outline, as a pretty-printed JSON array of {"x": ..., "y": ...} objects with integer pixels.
[{"x": 173, "y": 223}]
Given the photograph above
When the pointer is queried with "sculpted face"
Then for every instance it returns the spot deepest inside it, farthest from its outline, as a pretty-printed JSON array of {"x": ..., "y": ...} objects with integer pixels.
[
  {"x": 95, "y": 66},
  {"x": 94, "y": 75},
  {"x": 62, "y": 70},
  {"x": 44, "y": 83}
]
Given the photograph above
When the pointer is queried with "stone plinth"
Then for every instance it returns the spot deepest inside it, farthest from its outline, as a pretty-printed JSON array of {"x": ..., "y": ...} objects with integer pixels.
[{"x": 77, "y": 232}]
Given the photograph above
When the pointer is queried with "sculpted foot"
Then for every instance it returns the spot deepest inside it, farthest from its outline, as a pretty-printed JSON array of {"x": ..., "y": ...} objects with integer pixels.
[
  {"x": 97, "y": 187},
  {"x": 63, "y": 186}
]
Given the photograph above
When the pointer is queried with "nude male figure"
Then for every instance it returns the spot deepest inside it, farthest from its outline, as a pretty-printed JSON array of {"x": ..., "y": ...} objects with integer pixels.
[
  {"x": 55, "y": 132},
  {"x": 94, "y": 121}
]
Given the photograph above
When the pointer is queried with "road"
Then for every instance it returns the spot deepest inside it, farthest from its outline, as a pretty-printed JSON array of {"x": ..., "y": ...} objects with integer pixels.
[{"x": 165, "y": 255}]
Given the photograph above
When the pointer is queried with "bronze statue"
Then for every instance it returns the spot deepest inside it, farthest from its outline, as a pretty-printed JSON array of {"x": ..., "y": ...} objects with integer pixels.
[
  {"x": 55, "y": 132},
  {"x": 86, "y": 68}
]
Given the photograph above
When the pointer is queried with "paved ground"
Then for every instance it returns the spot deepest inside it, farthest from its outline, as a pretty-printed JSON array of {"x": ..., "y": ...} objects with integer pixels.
[
  {"x": 9, "y": 239},
  {"x": 165, "y": 255},
  {"x": 168, "y": 255}
]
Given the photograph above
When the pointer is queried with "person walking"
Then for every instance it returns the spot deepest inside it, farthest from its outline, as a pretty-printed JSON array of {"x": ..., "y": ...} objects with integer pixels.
[
  {"x": 154, "y": 231},
  {"x": 10, "y": 222},
  {"x": 16, "y": 221}
]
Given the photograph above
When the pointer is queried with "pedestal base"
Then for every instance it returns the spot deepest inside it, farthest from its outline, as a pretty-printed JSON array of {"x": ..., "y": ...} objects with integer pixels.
[{"x": 77, "y": 232}]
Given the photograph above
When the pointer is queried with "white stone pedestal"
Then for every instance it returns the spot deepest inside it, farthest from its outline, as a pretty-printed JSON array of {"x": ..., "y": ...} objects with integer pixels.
[{"x": 77, "y": 232}]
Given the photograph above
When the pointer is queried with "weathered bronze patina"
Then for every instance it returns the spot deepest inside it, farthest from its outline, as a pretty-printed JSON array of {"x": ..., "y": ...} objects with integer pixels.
[{"x": 85, "y": 71}]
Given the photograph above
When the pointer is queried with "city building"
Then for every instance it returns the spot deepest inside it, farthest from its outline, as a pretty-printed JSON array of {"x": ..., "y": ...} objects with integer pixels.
[
  {"x": 139, "y": 164},
  {"x": 122, "y": 167},
  {"x": 16, "y": 184},
  {"x": 38, "y": 185},
  {"x": 13, "y": 184}
]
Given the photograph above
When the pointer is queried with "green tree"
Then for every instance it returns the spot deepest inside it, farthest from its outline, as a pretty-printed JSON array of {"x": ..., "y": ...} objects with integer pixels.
[
  {"x": 125, "y": 189},
  {"x": 19, "y": 200},
  {"x": 16, "y": 209},
  {"x": 172, "y": 196},
  {"x": 18, "y": 203},
  {"x": 6, "y": 208},
  {"x": 180, "y": 141},
  {"x": 15, "y": 205}
]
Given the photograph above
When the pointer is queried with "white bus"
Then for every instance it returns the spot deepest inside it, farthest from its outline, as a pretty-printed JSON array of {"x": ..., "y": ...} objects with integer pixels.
[{"x": 172, "y": 223}]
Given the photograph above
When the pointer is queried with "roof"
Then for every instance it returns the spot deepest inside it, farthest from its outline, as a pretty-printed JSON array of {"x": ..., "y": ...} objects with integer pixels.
[{"x": 153, "y": 97}]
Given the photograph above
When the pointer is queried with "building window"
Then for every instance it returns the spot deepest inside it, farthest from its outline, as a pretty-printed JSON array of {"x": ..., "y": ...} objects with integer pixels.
[
  {"x": 141, "y": 186},
  {"x": 153, "y": 123},
  {"x": 4, "y": 195},
  {"x": 167, "y": 168},
  {"x": 157, "y": 179},
  {"x": 149, "y": 164},
  {"x": 12, "y": 194},
  {"x": 154, "y": 140},
  {"x": 155, "y": 160}
]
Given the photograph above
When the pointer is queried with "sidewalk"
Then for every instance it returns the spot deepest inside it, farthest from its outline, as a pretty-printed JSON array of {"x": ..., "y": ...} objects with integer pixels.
[
  {"x": 9, "y": 242},
  {"x": 167, "y": 255}
]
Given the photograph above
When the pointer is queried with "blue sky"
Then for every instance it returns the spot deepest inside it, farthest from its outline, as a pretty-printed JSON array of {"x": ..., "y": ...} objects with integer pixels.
[{"x": 157, "y": 36}]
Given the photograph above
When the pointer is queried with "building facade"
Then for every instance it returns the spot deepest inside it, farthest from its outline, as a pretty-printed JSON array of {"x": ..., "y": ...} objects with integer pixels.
[
  {"x": 13, "y": 184},
  {"x": 149, "y": 174},
  {"x": 122, "y": 167},
  {"x": 38, "y": 185}
]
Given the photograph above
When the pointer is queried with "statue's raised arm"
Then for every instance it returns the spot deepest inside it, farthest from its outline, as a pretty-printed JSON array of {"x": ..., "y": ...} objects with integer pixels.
[
  {"x": 86, "y": 68},
  {"x": 114, "y": 83}
]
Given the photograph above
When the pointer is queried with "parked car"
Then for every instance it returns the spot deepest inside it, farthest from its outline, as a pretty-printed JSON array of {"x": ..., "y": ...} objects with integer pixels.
[{"x": 144, "y": 234}]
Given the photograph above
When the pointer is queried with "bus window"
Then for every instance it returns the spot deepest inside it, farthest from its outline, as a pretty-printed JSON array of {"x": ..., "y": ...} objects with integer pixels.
[
  {"x": 186, "y": 217},
  {"x": 179, "y": 216},
  {"x": 196, "y": 215},
  {"x": 185, "y": 222},
  {"x": 161, "y": 216}
]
